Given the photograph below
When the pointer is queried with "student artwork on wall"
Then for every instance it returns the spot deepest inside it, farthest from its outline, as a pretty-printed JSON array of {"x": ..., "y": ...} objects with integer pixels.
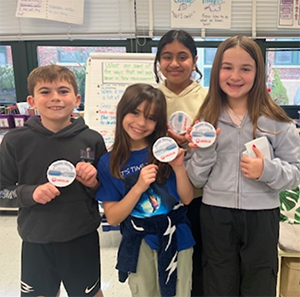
[
  {"x": 68, "y": 11},
  {"x": 204, "y": 14},
  {"x": 288, "y": 14},
  {"x": 107, "y": 77}
]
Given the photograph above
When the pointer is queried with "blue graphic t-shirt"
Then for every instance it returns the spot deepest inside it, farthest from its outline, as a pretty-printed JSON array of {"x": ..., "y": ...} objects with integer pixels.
[{"x": 158, "y": 199}]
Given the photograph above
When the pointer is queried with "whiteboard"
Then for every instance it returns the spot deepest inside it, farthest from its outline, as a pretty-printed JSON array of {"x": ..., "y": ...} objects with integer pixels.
[{"x": 107, "y": 76}]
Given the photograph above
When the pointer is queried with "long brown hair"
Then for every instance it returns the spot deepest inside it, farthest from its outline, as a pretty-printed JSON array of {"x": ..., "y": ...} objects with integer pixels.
[
  {"x": 259, "y": 101},
  {"x": 133, "y": 96}
]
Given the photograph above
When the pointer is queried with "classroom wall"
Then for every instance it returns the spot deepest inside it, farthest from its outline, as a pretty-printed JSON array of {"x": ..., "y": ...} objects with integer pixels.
[
  {"x": 136, "y": 26},
  {"x": 138, "y": 18}
]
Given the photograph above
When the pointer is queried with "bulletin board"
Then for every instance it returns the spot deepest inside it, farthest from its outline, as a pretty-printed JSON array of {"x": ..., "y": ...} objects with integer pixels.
[{"x": 107, "y": 77}]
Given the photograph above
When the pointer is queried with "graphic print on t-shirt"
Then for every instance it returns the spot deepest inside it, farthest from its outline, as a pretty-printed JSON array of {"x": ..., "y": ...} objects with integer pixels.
[{"x": 155, "y": 201}]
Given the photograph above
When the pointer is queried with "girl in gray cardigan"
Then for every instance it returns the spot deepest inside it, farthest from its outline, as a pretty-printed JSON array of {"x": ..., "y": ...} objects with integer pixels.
[{"x": 240, "y": 215}]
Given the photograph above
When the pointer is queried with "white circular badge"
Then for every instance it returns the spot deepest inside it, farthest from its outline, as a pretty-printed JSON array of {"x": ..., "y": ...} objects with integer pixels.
[
  {"x": 179, "y": 122},
  {"x": 203, "y": 134},
  {"x": 165, "y": 149},
  {"x": 61, "y": 173}
]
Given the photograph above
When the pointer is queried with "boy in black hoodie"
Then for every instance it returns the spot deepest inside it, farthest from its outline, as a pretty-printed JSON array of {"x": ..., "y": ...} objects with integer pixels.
[{"x": 49, "y": 167}]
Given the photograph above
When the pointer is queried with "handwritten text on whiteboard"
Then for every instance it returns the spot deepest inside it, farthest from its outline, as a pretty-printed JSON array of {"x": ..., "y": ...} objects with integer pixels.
[{"x": 128, "y": 73}]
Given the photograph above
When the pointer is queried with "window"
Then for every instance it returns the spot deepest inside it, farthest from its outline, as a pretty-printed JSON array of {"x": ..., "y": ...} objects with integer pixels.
[
  {"x": 287, "y": 57},
  {"x": 206, "y": 77},
  {"x": 3, "y": 55},
  {"x": 7, "y": 79},
  {"x": 209, "y": 55},
  {"x": 73, "y": 57},
  {"x": 283, "y": 75},
  {"x": 205, "y": 59}
]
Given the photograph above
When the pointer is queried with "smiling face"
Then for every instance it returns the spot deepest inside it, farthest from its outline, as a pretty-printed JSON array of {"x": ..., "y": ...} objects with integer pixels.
[
  {"x": 139, "y": 125},
  {"x": 237, "y": 74},
  {"x": 55, "y": 102},
  {"x": 177, "y": 64}
]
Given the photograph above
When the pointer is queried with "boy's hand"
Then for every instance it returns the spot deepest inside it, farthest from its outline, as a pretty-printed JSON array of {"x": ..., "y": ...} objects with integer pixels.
[
  {"x": 86, "y": 174},
  {"x": 45, "y": 193},
  {"x": 253, "y": 167}
]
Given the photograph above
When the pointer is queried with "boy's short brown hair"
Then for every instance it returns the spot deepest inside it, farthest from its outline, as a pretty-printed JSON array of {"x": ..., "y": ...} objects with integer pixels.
[{"x": 50, "y": 73}]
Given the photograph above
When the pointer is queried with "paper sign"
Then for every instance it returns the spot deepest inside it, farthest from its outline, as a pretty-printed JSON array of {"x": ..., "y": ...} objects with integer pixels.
[
  {"x": 68, "y": 11},
  {"x": 210, "y": 14}
]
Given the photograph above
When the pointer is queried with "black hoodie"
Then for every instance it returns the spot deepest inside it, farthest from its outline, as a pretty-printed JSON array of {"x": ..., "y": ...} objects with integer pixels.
[{"x": 26, "y": 154}]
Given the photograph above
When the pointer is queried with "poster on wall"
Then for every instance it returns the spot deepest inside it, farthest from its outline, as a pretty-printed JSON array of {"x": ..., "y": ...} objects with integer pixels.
[
  {"x": 288, "y": 14},
  {"x": 68, "y": 11},
  {"x": 204, "y": 14}
]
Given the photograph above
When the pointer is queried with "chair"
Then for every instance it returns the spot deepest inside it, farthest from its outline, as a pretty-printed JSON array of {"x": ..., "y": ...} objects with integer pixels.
[{"x": 282, "y": 254}]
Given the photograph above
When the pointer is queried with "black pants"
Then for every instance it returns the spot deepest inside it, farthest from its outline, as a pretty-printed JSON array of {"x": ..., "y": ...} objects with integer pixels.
[
  {"x": 239, "y": 251},
  {"x": 197, "y": 276},
  {"x": 75, "y": 263}
]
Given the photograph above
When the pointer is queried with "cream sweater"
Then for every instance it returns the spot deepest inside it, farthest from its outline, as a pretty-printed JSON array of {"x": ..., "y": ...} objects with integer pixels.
[{"x": 189, "y": 101}]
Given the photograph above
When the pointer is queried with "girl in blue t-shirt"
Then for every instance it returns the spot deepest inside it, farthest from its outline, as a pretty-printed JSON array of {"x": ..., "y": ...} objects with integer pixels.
[{"x": 147, "y": 198}]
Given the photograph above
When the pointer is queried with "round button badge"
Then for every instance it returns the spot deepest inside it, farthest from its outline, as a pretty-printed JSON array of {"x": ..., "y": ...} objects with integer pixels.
[
  {"x": 61, "y": 173},
  {"x": 179, "y": 122},
  {"x": 203, "y": 134},
  {"x": 165, "y": 149}
]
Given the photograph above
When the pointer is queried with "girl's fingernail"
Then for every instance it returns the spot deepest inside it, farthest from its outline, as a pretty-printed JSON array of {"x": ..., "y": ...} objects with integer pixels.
[{"x": 254, "y": 145}]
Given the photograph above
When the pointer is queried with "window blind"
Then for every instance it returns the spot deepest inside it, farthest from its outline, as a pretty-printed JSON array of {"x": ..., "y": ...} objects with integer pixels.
[
  {"x": 102, "y": 19},
  {"x": 140, "y": 18},
  {"x": 241, "y": 20}
]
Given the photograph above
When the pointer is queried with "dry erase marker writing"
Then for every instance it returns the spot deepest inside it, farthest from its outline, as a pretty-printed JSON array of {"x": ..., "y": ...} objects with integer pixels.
[
  {"x": 165, "y": 149},
  {"x": 61, "y": 173},
  {"x": 179, "y": 122},
  {"x": 203, "y": 134}
]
